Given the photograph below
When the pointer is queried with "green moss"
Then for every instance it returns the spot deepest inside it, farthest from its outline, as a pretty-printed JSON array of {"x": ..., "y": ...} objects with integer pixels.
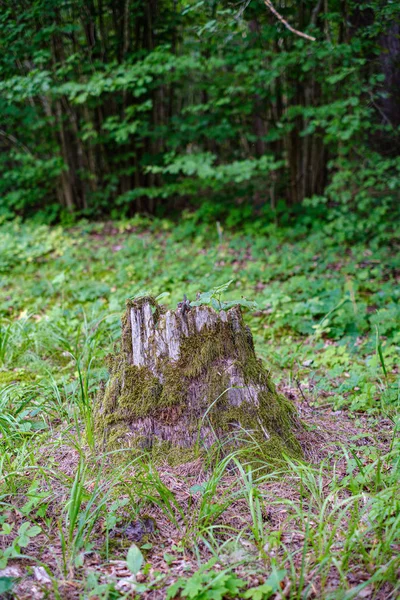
[
  {"x": 117, "y": 436},
  {"x": 269, "y": 426},
  {"x": 7, "y": 377},
  {"x": 140, "y": 394},
  {"x": 199, "y": 356},
  {"x": 132, "y": 392},
  {"x": 200, "y": 351},
  {"x": 164, "y": 451}
]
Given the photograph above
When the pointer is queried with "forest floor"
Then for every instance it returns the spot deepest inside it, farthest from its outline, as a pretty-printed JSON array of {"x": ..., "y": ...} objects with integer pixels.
[{"x": 75, "y": 523}]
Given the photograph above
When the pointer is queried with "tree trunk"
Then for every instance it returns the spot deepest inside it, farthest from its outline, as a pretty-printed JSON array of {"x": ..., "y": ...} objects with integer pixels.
[
  {"x": 184, "y": 380},
  {"x": 389, "y": 60}
]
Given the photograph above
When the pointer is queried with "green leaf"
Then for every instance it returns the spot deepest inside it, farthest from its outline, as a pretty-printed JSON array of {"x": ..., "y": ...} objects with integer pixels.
[
  {"x": 24, "y": 540},
  {"x": 215, "y": 304},
  {"x": 34, "y": 531},
  {"x": 168, "y": 558},
  {"x": 163, "y": 295},
  {"x": 134, "y": 559},
  {"x": 3, "y": 561},
  {"x": 261, "y": 592},
  {"x": 197, "y": 487},
  {"x": 6, "y": 584},
  {"x": 147, "y": 546},
  {"x": 24, "y": 527},
  {"x": 194, "y": 585},
  {"x": 79, "y": 560},
  {"x": 276, "y": 578},
  {"x": 222, "y": 288},
  {"x": 248, "y": 303},
  {"x": 233, "y": 584},
  {"x": 271, "y": 586},
  {"x": 174, "y": 589},
  {"x": 7, "y": 528}
]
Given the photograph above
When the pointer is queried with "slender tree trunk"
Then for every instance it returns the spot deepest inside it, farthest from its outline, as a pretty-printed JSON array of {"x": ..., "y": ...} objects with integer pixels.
[{"x": 390, "y": 64}]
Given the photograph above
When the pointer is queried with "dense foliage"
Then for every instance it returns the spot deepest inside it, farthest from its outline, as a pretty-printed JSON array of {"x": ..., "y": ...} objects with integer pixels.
[{"x": 111, "y": 107}]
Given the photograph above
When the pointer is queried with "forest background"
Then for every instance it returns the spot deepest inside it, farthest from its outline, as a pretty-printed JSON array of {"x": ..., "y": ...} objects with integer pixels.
[{"x": 108, "y": 108}]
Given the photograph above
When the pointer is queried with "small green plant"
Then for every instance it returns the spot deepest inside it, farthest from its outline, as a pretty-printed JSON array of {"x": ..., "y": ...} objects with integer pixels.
[
  {"x": 112, "y": 518},
  {"x": 214, "y": 298},
  {"x": 82, "y": 511},
  {"x": 134, "y": 559},
  {"x": 84, "y": 401},
  {"x": 270, "y": 587},
  {"x": 22, "y": 412},
  {"x": 24, "y": 536},
  {"x": 207, "y": 584},
  {"x": 6, "y": 584}
]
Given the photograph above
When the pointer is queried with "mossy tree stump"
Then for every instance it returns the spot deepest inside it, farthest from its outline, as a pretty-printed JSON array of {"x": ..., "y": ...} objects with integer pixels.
[{"x": 187, "y": 378}]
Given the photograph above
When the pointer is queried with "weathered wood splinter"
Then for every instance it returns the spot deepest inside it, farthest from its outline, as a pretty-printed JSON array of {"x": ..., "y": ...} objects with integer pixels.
[{"x": 186, "y": 379}]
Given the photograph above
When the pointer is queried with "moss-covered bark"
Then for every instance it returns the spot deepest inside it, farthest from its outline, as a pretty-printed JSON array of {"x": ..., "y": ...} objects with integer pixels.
[{"x": 186, "y": 379}]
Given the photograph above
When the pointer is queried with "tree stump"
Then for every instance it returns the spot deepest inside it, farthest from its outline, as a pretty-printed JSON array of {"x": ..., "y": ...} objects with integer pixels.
[{"x": 186, "y": 379}]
